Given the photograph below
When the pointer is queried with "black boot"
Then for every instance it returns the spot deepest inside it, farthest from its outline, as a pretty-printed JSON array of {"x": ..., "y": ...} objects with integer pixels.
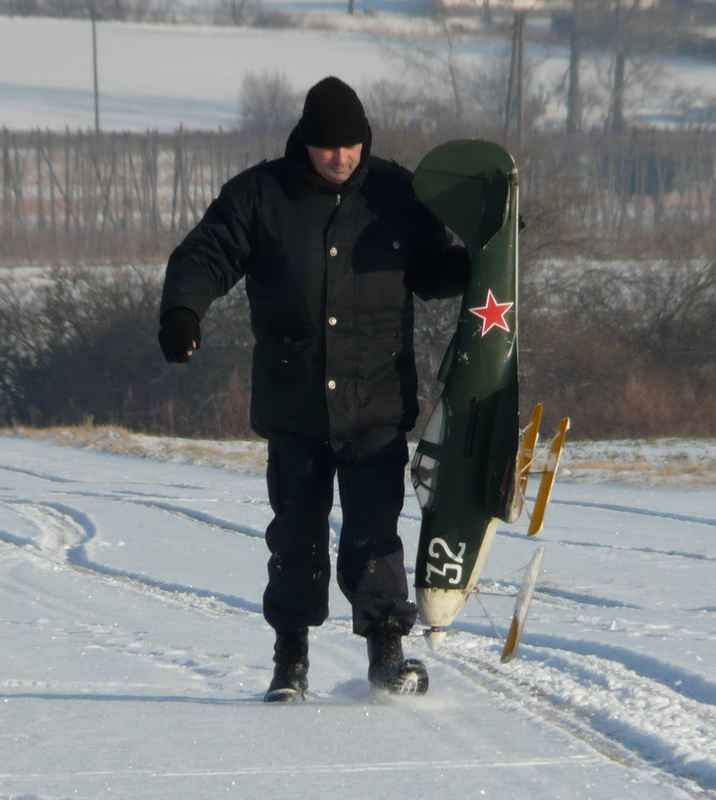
[
  {"x": 387, "y": 667},
  {"x": 290, "y": 675}
]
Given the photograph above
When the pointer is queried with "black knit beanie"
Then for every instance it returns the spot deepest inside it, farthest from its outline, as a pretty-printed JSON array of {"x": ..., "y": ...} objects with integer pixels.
[{"x": 333, "y": 116}]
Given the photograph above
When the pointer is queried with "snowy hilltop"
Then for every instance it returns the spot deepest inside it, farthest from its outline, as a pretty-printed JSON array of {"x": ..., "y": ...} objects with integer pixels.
[{"x": 158, "y": 77}]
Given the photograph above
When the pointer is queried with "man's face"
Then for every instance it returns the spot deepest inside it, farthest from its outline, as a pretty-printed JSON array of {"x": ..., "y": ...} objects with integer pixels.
[{"x": 335, "y": 164}]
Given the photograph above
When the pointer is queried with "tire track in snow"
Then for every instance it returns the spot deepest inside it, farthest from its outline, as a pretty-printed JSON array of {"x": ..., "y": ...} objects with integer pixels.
[
  {"x": 47, "y": 476},
  {"x": 182, "y": 511},
  {"x": 611, "y": 545},
  {"x": 645, "y": 512},
  {"x": 557, "y": 597},
  {"x": 64, "y": 534},
  {"x": 650, "y": 551},
  {"x": 624, "y": 715},
  {"x": 202, "y": 517},
  {"x": 196, "y": 516},
  {"x": 551, "y": 595},
  {"x": 32, "y": 473},
  {"x": 636, "y": 709},
  {"x": 63, "y": 531}
]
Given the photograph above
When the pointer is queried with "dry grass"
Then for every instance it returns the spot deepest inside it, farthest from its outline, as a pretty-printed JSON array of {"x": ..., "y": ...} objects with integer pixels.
[
  {"x": 685, "y": 471},
  {"x": 661, "y": 462},
  {"x": 237, "y": 455}
]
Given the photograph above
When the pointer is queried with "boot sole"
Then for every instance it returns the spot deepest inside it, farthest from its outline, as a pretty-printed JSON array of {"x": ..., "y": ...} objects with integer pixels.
[
  {"x": 410, "y": 679},
  {"x": 284, "y": 696}
]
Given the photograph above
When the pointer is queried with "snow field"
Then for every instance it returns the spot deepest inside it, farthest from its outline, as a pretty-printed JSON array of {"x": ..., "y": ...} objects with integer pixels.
[{"x": 136, "y": 655}]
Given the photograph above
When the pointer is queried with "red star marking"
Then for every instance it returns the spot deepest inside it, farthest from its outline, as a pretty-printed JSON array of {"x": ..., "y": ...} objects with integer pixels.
[{"x": 492, "y": 313}]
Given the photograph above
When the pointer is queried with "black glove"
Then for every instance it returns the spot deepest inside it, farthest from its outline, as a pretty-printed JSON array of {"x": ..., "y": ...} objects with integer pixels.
[{"x": 179, "y": 334}]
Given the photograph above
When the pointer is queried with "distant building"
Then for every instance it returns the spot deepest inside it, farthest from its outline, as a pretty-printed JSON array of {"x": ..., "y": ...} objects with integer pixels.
[{"x": 540, "y": 6}]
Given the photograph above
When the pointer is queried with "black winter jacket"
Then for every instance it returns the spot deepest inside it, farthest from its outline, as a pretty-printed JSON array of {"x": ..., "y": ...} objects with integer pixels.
[{"x": 330, "y": 270}]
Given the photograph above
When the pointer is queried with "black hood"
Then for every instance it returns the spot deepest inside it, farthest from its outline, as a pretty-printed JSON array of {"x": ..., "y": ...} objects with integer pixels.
[{"x": 306, "y": 179}]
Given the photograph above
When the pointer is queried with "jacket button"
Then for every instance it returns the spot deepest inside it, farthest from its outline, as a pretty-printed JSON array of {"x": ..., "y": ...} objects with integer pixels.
[
  {"x": 332, "y": 321},
  {"x": 333, "y": 251},
  {"x": 331, "y": 385},
  {"x": 396, "y": 245}
]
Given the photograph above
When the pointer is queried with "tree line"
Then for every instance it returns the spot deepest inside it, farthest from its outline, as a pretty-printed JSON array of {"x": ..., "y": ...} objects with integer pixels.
[
  {"x": 618, "y": 280},
  {"x": 625, "y": 349}
]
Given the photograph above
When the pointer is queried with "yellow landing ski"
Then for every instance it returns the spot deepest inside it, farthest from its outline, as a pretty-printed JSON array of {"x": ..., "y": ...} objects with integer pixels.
[
  {"x": 523, "y": 464},
  {"x": 527, "y": 452},
  {"x": 522, "y": 605},
  {"x": 550, "y": 471}
]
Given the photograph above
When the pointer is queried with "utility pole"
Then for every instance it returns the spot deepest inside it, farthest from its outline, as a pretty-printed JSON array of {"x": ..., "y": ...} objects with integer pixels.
[
  {"x": 574, "y": 99},
  {"x": 616, "y": 111},
  {"x": 93, "y": 17},
  {"x": 515, "y": 89}
]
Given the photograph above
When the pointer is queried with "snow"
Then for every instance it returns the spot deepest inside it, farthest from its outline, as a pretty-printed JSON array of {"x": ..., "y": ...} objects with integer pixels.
[
  {"x": 135, "y": 654},
  {"x": 159, "y": 77},
  {"x": 162, "y": 76}
]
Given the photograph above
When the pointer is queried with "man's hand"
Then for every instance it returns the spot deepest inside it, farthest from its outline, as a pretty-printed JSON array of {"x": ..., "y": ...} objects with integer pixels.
[{"x": 179, "y": 335}]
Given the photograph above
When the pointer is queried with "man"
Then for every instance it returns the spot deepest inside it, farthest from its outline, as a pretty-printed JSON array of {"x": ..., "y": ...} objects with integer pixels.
[{"x": 332, "y": 244}]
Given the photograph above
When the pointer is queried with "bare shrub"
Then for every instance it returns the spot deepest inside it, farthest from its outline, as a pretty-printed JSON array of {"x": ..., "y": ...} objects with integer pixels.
[
  {"x": 268, "y": 102},
  {"x": 624, "y": 349},
  {"x": 83, "y": 346},
  {"x": 234, "y": 12}
]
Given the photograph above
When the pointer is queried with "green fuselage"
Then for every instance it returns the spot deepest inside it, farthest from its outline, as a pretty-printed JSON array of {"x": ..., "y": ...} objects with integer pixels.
[{"x": 464, "y": 468}]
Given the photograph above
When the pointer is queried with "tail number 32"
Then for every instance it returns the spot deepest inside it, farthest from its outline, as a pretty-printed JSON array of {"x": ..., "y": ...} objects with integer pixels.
[{"x": 440, "y": 550}]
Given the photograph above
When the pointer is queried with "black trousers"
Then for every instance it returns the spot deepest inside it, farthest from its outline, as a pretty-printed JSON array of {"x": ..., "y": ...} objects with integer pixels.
[{"x": 370, "y": 568}]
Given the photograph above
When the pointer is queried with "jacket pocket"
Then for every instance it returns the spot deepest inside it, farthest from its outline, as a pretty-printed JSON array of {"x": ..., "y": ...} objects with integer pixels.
[
  {"x": 287, "y": 360},
  {"x": 288, "y": 396},
  {"x": 377, "y": 367}
]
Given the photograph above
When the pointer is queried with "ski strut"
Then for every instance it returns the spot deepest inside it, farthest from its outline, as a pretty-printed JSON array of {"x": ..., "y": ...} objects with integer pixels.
[{"x": 550, "y": 473}]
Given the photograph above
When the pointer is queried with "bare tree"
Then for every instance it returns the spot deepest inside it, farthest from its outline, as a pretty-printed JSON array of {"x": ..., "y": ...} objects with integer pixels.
[
  {"x": 235, "y": 10},
  {"x": 268, "y": 102}
]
